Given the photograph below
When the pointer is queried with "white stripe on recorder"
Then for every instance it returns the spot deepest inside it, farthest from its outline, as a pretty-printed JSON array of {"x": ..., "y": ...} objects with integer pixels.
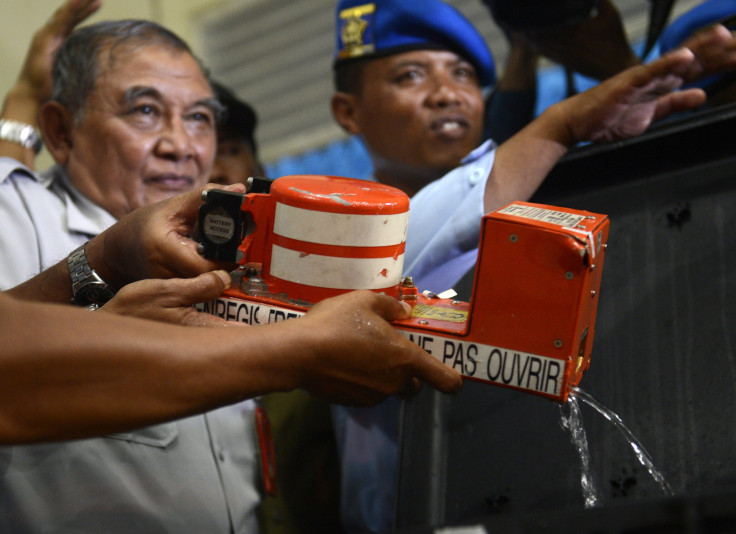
[
  {"x": 342, "y": 229},
  {"x": 333, "y": 272}
]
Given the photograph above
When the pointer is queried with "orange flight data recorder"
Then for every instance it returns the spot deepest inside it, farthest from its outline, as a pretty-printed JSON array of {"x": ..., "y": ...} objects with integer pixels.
[{"x": 530, "y": 321}]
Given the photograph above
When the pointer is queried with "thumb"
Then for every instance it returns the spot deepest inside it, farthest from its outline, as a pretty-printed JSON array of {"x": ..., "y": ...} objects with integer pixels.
[{"x": 206, "y": 286}]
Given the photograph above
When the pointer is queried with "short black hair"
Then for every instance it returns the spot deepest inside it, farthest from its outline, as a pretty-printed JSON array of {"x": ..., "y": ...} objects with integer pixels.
[
  {"x": 348, "y": 75},
  {"x": 239, "y": 118}
]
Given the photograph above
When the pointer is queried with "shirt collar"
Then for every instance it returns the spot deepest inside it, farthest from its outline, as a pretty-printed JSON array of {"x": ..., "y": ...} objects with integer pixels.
[
  {"x": 83, "y": 215},
  {"x": 486, "y": 147},
  {"x": 10, "y": 166}
]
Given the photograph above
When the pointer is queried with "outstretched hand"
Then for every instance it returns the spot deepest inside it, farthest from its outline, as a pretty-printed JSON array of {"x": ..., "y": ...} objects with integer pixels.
[
  {"x": 36, "y": 71},
  {"x": 627, "y": 104},
  {"x": 33, "y": 85}
]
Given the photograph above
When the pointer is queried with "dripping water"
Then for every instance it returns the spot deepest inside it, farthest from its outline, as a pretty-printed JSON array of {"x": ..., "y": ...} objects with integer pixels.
[{"x": 574, "y": 424}]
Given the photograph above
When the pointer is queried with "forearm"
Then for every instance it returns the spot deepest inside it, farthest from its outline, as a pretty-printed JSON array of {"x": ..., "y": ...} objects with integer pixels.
[
  {"x": 67, "y": 373},
  {"x": 150, "y": 242},
  {"x": 21, "y": 105},
  {"x": 53, "y": 285},
  {"x": 523, "y": 162},
  {"x": 78, "y": 374}
]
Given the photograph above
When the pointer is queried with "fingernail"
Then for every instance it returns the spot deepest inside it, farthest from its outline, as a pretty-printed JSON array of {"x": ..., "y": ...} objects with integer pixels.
[{"x": 225, "y": 277}]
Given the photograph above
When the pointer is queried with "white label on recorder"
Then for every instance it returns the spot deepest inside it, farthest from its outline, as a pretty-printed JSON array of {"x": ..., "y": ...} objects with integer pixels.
[
  {"x": 218, "y": 227},
  {"x": 342, "y": 229},
  {"x": 536, "y": 213}
]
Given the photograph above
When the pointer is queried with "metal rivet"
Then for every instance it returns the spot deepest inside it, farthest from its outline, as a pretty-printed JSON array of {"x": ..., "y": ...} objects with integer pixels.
[
  {"x": 513, "y": 238},
  {"x": 455, "y": 302},
  {"x": 569, "y": 275},
  {"x": 592, "y": 293},
  {"x": 558, "y": 343},
  {"x": 423, "y": 322}
]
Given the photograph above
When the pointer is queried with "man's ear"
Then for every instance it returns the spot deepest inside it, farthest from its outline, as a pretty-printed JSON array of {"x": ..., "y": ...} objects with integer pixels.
[
  {"x": 56, "y": 123},
  {"x": 345, "y": 111}
]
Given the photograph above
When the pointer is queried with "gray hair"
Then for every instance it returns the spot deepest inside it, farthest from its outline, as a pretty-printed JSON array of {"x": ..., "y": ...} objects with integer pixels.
[{"x": 77, "y": 64}]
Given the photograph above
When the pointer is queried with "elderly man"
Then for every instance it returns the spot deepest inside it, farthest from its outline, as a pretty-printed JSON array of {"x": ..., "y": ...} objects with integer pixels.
[
  {"x": 409, "y": 76},
  {"x": 126, "y": 129},
  {"x": 132, "y": 121}
]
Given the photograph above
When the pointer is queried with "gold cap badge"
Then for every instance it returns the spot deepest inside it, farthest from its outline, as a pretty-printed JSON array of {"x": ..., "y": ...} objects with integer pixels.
[{"x": 355, "y": 31}]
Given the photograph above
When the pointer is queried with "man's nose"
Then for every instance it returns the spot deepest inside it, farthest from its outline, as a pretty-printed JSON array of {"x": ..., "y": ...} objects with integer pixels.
[
  {"x": 175, "y": 141},
  {"x": 444, "y": 92}
]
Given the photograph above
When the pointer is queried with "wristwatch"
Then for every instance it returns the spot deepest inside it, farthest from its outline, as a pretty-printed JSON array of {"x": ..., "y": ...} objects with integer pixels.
[
  {"x": 88, "y": 289},
  {"x": 23, "y": 134}
]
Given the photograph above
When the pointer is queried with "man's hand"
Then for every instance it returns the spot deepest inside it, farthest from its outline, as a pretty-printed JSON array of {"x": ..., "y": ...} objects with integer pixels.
[
  {"x": 626, "y": 104},
  {"x": 172, "y": 300},
  {"x": 153, "y": 242},
  {"x": 36, "y": 71},
  {"x": 33, "y": 86},
  {"x": 715, "y": 52},
  {"x": 150, "y": 242},
  {"x": 353, "y": 356}
]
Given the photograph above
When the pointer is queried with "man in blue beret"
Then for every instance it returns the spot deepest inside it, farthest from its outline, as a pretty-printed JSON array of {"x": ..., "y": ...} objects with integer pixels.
[{"x": 409, "y": 77}]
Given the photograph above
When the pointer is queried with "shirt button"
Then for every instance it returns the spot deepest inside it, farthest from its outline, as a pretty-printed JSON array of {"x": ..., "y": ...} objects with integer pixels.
[
  {"x": 475, "y": 176},
  {"x": 221, "y": 456}
]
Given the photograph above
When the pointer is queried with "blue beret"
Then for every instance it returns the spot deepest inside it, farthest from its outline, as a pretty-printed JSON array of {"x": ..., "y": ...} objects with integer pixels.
[
  {"x": 705, "y": 14},
  {"x": 384, "y": 27}
]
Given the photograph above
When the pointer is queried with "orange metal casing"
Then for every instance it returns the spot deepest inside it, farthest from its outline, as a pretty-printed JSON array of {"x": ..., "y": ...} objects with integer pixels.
[
  {"x": 537, "y": 284},
  {"x": 531, "y": 320}
]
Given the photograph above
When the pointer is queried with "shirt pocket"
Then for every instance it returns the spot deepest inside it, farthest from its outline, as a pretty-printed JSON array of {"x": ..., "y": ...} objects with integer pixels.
[{"x": 160, "y": 436}]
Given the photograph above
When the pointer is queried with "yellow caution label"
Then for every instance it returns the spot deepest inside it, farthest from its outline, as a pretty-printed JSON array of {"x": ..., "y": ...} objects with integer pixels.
[{"x": 437, "y": 313}]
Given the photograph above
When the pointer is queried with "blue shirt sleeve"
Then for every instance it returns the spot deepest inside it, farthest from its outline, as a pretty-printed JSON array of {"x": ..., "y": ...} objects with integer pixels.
[{"x": 444, "y": 223}]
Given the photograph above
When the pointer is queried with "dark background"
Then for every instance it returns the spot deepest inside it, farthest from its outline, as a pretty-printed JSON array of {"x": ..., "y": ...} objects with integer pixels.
[{"x": 664, "y": 359}]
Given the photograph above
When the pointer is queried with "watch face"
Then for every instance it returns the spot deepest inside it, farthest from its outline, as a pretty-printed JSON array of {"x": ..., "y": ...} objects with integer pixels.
[
  {"x": 94, "y": 293},
  {"x": 87, "y": 286}
]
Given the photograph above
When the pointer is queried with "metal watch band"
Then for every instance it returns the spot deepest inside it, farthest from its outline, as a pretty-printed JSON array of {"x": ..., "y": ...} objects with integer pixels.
[
  {"x": 24, "y": 134},
  {"x": 87, "y": 286}
]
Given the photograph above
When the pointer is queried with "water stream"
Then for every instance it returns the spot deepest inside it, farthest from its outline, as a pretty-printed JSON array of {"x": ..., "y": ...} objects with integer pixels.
[{"x": 573, "y": 423}]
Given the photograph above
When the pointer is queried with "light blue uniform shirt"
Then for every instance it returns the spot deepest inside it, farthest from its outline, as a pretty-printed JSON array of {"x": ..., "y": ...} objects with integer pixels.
[
  {"x": 43, "y": 219},
  {"x": 194, "y": 475},
  {"x": 441, "y": 246}
]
